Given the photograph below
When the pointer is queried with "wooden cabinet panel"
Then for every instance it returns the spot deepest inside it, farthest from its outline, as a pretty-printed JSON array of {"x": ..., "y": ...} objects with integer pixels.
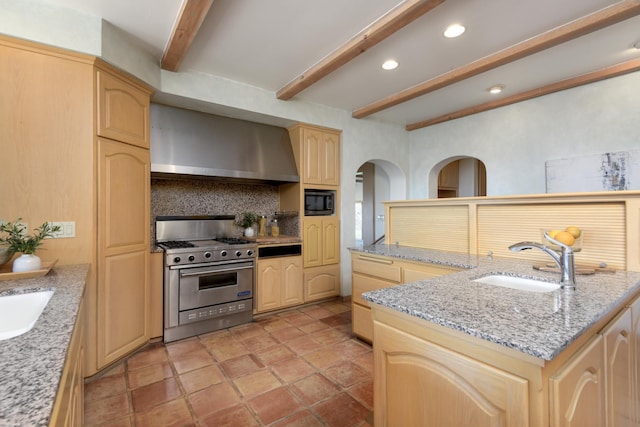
[
  {"x": 383, "y": 268},
  {"x": 619, "y": 372},
  {"x": 123, "y": 250},
  {"x": 123, "y": 110},
  {"x": 321, "y": 157},
  {"x": 156, "y": 292},
  {"x": 362, "y": 322},
  {"x": 321, "y": 282},
  {"x": 330, "y": 159},
  {"x": 279, "y": 283},
  {"x": 361, "y": 283},
  {"x": 448, "y": 177},
  {"x": 635, "y": 343},
  {"x": 416, "y": 381},
  {"x": 312, "y": 242},
  {"x": 330, "y": 241},
  {"x": 68, "y": 409},
  {"x": 577, "y": 390},
  {"x": 413, "y": 272}
]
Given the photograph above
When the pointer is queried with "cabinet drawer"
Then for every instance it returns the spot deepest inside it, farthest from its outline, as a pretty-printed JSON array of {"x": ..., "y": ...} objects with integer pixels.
[
  {"x": 382, "y": 268},
  {"x": 362, "y": 284},
  {"x": 411, "y": 273}
]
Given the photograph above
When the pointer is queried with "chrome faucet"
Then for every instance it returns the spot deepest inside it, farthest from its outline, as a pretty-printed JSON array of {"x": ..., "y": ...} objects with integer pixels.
[{"x": 564, "y": 259}]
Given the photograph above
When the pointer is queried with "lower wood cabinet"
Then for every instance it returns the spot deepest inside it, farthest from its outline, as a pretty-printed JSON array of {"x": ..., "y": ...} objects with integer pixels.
[
  {"x": 68, "y": 409},
  {"x": 619, "y": 371},
  {"x": 577, "y": 390},
  {"x": 279, "y": 283},
  {"x": 156, "y": 294},
  {"x": 321, "y": 282},
  {"x": 370, "y": 272},
  {"x": 419, "y": 383}
]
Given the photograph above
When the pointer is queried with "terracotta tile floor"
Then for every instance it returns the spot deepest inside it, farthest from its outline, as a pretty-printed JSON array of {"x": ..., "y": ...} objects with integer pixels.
[{"x": 296, "y": 368}]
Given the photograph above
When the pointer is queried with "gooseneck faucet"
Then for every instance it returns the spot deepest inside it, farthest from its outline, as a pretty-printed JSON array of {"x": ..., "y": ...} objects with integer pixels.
[{"x": 564, "y": 259}]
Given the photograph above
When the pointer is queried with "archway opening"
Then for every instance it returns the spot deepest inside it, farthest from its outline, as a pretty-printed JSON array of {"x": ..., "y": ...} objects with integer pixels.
[{"x": 461, "y": 177}]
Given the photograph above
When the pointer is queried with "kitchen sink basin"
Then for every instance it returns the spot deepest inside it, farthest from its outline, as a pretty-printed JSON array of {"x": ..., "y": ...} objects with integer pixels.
[
  {"x": 519, "y": 283},
  {"x": 18, "y": 313}
]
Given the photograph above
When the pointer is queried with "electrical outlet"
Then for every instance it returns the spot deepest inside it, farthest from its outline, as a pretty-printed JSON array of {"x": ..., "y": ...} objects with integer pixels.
[{"x": 67, "y": 229}]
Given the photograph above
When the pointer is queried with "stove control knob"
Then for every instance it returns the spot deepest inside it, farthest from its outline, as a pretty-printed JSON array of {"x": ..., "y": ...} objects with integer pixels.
[
  {"x": 249, "y": 252},
  {"x": 192, "y": 258},
  {"x": 238, "y": 254},
  {"x": 177, "y": 259},
  {"x": 207, "y": 254},
  {"x": 223, "y": 253}
]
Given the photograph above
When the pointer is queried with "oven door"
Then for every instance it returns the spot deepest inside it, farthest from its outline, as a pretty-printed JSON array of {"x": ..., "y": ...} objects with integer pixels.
[{"x": 215, "y": 284}]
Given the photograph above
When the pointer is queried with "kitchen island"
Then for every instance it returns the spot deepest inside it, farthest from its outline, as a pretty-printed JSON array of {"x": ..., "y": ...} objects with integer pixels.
[
  {"x": 33, "y": 379},
  {"x": 497, "y": 355}
]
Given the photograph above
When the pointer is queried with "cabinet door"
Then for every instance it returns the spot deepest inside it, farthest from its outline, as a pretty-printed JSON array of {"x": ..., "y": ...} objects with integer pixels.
[
  {"x": 156, "y": 287},
  {"x": 577, "y": 390},
  {"x": 330, "y": 241},
  {"x": 268, "y": 294},
  {"x": 619, "y": 371},
  {"x": 292, "y": 287},
  {"x": 419, "y": 383},
  {"x": 321, "y": 282},
  {"x": 123, "y": 111},
  {"x": 312, "y": 242},
  {"x": 312, "y": 156},
  {"x": 330, "y": 152},
  {"x": 123, "y": 250}
]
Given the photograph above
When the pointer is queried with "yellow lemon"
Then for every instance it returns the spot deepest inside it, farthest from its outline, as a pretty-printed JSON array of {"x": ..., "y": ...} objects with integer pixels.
[
  {"x": 553, "y": 233},
  {"x": 575, "y": 231},
  {"x": 565, "y": 237}
]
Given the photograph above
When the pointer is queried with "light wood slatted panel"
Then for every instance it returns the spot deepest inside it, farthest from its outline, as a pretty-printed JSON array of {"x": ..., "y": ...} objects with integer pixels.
[
  {"x": 603, "y": 224},
  {"x": 430, "y": 227}
]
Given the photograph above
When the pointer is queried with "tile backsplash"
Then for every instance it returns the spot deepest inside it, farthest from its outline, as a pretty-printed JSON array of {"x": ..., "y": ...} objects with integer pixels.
[{"x": 202, "y": 197}]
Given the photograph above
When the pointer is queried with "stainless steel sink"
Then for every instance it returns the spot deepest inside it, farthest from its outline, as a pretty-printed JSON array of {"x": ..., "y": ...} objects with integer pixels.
[
  {"x": 19, "y": 313},
  {"x": 519, "y": 283}
]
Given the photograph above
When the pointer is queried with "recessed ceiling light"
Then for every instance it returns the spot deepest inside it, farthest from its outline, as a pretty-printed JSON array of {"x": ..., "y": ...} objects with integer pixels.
[
  {"x": 390, "y": 64},
  {"x": 454, "y": 30},
  {"x": 496, "y": 89}
]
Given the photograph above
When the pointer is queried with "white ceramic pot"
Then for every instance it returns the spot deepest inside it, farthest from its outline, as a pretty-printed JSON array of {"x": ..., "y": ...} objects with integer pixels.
[
  {"x": 248, "y": 232},
  {"x": 26, "y": 262}
]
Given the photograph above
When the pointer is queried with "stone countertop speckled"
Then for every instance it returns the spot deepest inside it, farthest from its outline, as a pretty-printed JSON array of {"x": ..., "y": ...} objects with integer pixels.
[
  {"x": 538, "y": 324},
  {"x": 31, "y": 364}
]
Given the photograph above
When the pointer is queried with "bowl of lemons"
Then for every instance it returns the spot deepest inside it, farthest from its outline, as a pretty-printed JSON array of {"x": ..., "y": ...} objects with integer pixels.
[{"x": 570, "y": 236}]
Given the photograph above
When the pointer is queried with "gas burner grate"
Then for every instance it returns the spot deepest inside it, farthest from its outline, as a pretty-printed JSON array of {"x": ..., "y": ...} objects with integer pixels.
[
  {"x": 175, "y": 244},
  {"x": 232, "y": 241}
]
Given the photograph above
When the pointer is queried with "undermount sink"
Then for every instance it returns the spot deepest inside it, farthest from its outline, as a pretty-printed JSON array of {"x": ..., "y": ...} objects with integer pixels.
[
  {"x": 519, "y": 283},
  {"x": 19, "y": 312}
]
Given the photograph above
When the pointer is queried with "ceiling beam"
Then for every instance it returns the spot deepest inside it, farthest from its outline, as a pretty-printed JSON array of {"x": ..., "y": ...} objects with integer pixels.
[
  {"x": 396, "y": 19},
  {"x": 602, "y": 74},
  {"x": 191, "y": 15},
  {"x": 608, "y": 16}
]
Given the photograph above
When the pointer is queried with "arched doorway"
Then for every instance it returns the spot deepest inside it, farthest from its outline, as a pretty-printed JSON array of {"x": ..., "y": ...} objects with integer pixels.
[
  {"x": 376, "y": 182},
  {"x": 462, "y": 177}
]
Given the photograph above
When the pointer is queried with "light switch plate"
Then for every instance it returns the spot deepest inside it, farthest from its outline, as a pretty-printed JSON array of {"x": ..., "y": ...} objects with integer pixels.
[{"x": 67, "y": 229}]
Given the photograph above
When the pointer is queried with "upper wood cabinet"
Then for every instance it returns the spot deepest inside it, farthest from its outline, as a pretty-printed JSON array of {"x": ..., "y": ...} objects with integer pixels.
[
  {"x": 317, "y": 152},
  {"x": 123, "y": 110}
]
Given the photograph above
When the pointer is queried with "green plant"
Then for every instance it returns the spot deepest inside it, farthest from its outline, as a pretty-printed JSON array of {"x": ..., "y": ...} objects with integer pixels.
[
  {"x": 17, "y": 240},
  {"x": 246, "y": 219}
]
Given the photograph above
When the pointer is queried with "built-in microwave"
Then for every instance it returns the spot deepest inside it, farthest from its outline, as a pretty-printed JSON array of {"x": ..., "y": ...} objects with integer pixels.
[{"x": 319, "y": 202}]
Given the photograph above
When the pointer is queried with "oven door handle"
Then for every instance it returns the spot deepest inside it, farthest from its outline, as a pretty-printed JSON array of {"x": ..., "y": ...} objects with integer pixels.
[{"x": 222, "y": 270}]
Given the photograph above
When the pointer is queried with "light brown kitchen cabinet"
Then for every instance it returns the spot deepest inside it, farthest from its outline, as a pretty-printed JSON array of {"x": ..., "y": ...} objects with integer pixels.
[
  {"x": 72, "y": 107},
  {"x": 321, "y": 282},
  {"x": 577, "y": 390},
  {"x": 279, "y": 283},
  {"x": 123, "y": 110},
  {"x": 635, "y": 344},
  {"x": 372, "y": 272},
  {"x": 619, "y": 372},
  {"x": 321, "y": 237},
  {"x": 68, "y": 408},
  {"x": 419, "y": 383},
  {"x": 320, "y": 154},
  {"x": 123, "y": 248}
]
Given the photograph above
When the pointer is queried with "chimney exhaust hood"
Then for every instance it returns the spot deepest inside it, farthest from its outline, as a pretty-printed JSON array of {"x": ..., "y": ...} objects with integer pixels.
[{"x": 190, "y": 144}]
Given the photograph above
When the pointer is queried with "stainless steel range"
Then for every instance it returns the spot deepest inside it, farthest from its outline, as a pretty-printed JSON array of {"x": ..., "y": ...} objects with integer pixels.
[{"x": 208, "y": 275}]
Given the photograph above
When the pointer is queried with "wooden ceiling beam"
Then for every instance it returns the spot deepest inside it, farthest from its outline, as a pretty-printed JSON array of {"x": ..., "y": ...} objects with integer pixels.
[
  {"x": 602, "y": 74},
  {"x": 190, "y": 18},
  {"x": 611, "y": 15},
  {"x": 396, "y": 19}
]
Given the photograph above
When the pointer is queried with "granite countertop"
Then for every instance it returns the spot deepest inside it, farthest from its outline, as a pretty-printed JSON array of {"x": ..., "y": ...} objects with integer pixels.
[
  {"x": 32, "y": 363},
  {"x": 538, "y": 324}
]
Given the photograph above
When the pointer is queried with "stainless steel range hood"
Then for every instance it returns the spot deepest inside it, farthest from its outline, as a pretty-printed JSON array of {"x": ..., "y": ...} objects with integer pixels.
[{"x": 187, "y": 143}]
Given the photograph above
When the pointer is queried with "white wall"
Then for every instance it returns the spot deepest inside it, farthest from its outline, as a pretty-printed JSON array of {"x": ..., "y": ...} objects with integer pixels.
[{"x": 515, "y": 141}]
